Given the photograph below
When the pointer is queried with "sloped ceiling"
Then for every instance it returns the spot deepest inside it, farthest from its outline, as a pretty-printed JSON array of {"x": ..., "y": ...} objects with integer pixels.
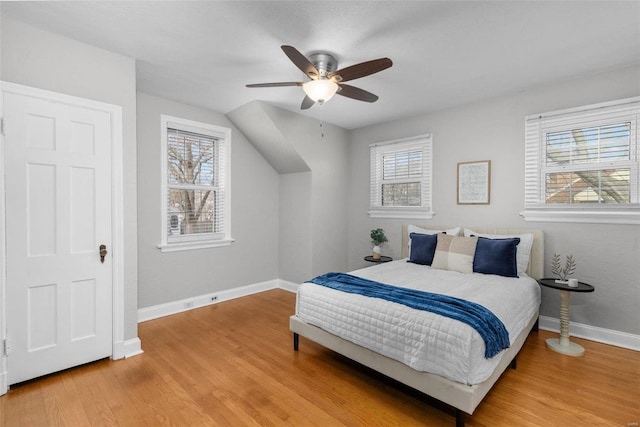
[{"x": 261, "y": 129}]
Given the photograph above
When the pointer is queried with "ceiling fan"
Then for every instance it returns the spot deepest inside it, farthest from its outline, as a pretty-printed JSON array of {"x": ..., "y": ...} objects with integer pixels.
[{"x": 326, "y": 80}]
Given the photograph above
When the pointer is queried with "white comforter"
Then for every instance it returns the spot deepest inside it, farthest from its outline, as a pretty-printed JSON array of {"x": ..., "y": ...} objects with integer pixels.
[{"x": 420, "y": 339}]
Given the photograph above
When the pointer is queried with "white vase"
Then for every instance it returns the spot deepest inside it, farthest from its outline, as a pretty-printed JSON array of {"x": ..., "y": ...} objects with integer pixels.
[{"x": 376, "y": 252}]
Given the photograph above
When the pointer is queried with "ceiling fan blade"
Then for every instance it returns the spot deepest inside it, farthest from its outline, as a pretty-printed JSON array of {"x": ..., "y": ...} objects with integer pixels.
[
  {"x": 301, "y": 61},
  {"x": 356, "y": 93},
  {"x": 360, "y": 70},
  {"x": 275, "y": 84},
  {"x": 307, "y": 103}
]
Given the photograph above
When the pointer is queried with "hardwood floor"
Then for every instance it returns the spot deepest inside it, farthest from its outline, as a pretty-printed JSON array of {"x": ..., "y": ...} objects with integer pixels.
[{"x": 233, "y": 364}]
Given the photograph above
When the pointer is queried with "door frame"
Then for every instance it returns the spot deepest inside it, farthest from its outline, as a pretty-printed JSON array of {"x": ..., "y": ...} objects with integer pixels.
[{"x": 117, "y": 215}]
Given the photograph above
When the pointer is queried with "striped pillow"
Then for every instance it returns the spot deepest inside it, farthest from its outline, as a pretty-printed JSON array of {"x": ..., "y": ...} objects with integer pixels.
[{"x": 455, "y": 253}]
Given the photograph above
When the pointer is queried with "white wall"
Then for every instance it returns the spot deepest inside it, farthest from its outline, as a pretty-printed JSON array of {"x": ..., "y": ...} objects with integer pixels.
[
  {"x": 43, "y": 60},
  {"x": 252, "y": 258},
  {"x": 295, "y": 227},
  {"x": 313, "y": 212},
  {"x": 328, "y": 158},
  {"x": 607, "y": 255},
  {"x": 313, "y": 164}
]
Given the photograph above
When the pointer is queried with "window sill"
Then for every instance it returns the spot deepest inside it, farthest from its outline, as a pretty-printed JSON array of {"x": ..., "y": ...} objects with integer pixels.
[
  {"x": 188, "y": 246},
  {"x": 379, "y": 213},
  {"x": 629, "y": 215}
]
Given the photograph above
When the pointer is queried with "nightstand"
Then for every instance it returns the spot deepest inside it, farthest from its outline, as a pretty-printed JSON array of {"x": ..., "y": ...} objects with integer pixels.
[{"x": 563, "y": 344}]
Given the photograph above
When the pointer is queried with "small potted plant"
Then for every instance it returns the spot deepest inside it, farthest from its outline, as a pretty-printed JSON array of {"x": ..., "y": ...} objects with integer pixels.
[{"x": 377, "y": 238}]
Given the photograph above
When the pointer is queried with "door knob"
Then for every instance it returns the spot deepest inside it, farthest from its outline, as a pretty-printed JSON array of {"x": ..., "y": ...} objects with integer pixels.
[{"x": 103, "y": 253}]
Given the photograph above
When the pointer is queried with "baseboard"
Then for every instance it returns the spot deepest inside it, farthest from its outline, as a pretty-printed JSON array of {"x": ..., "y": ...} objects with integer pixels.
[
  {"x": 288, "y": 286},
  {"x": 128, "y": 348},
  {"x": 174, "y": 307},
  {"x": 4, "y": 387},
  {"x": 594, "y": 333}
]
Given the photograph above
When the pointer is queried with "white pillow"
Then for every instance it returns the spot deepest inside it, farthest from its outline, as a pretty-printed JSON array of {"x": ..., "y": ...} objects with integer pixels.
[
  {"x": 523, "y": 251},
  {"x": 420, "y": 230}
]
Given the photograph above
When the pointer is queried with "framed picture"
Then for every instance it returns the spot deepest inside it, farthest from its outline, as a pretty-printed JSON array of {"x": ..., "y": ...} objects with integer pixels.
[{"x": 474, "y": 183}]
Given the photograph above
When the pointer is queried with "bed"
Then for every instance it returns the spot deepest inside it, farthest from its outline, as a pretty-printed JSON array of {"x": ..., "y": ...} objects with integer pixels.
[{"x": 426, "y": 364}]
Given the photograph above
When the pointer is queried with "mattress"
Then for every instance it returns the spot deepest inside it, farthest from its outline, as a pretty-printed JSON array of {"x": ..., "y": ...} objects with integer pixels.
[{"x": 422, "y": 340}]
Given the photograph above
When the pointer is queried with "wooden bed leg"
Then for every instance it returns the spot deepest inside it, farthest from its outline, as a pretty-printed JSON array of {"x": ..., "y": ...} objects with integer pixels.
[
  {"x": 536, "y": 325},
  {"x": 296, "y": 339},
  {"x": 514, "y": 363},
  {"x": 459, "y": 418}
]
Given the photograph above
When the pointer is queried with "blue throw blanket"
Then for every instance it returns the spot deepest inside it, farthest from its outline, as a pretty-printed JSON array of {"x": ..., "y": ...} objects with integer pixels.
[{"x": 490, "y": 328}]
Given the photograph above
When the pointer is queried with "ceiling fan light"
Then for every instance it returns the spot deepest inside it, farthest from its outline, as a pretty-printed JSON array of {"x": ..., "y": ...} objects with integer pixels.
[{"x": 320, "y": 90}]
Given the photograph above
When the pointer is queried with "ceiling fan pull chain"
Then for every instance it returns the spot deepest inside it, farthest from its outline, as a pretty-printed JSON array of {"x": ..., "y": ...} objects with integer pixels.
[{"x": 322, "y": 120}]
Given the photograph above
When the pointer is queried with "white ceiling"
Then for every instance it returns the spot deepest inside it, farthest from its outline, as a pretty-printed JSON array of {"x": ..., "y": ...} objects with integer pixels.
[{"x": 445, "y": 53}]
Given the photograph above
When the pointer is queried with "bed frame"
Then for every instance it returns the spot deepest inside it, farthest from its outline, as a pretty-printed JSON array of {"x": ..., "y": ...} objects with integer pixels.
[{"x": 462, "y": 397}]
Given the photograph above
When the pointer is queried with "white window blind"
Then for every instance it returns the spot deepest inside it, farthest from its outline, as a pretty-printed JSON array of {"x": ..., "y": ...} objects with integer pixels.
[
  {"x": 400, "y": 185},
  {"x": 195, "y": 184},
  {"x": 581, "y": 165}
]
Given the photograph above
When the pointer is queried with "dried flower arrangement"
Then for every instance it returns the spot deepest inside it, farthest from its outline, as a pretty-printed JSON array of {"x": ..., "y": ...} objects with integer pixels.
[{"x": 563, "y": 272}]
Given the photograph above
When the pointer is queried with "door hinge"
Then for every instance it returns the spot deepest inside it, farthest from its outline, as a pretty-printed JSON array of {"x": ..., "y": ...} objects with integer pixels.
[
  {"x": 1, "y": 125},
  {"x": 6, "y": 347}
]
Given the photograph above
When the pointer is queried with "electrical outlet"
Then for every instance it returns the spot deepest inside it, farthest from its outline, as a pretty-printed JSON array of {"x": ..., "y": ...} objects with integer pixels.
[
  {"x": 188, "y": 304},
  {"x": 214, "y": 298}
]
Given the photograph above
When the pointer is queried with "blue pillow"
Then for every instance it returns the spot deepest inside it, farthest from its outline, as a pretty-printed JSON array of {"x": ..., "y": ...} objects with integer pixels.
[
  {"x": 423, "y": 247},
  {"x": 496, "y": 256}
]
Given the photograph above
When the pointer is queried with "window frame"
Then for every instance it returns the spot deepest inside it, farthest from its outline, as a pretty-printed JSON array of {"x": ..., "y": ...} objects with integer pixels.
[
  {"x": 376, "y": 151},
  {"x": 223, "y": 163},
  {"x": 537, "y": 126}
]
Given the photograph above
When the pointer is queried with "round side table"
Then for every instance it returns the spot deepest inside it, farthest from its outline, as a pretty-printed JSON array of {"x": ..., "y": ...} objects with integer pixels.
[
  {"x": 378, "y": 260},
  {"x": 563, "y": 344}
]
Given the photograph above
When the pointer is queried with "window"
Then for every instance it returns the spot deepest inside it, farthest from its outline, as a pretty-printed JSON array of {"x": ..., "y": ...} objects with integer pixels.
[
  {"x": 581, "y": 165},
  {"x": 401, "y": 178},
  {"x": 195, "y": 185}
]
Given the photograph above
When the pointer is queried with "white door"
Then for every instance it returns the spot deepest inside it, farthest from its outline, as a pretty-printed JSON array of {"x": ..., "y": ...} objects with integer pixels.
[{"x": 58, "y": 213}]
